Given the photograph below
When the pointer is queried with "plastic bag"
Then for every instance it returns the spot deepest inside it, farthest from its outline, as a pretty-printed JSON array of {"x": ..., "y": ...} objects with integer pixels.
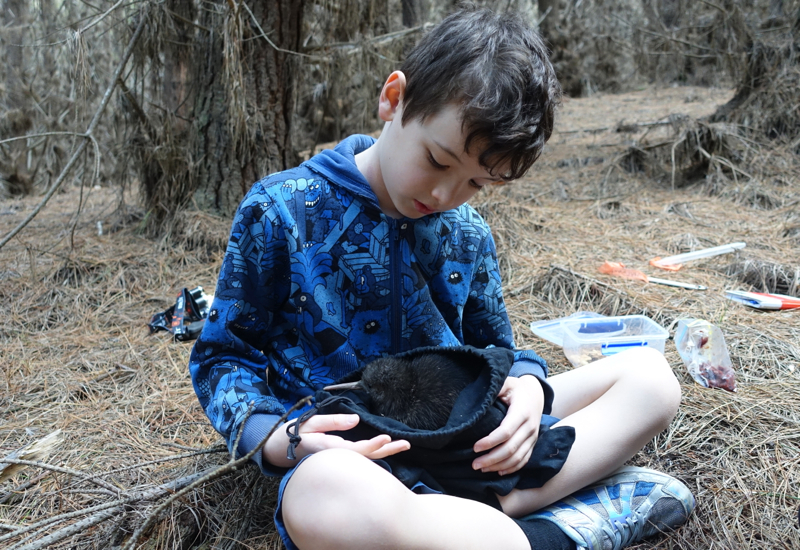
[
  {"x": 618, "y": 269},
  {"x": 186, "y": 318},
  {"x": 701, "y": 345}
]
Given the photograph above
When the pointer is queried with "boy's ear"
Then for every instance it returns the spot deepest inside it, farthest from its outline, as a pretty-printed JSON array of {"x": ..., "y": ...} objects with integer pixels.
[{"x": 391, "y": 95}]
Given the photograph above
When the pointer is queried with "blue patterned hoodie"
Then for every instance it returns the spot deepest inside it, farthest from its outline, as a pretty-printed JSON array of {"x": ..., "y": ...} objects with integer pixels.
[{"x": 317, "y": 281}]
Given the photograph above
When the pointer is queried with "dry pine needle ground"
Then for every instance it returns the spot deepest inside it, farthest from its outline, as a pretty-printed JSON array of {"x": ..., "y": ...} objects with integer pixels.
[{"x": 75, "y": 353}]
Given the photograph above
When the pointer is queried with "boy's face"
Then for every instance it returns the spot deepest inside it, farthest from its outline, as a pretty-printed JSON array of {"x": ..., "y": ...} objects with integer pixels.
[{"x": 420, "y": 168}]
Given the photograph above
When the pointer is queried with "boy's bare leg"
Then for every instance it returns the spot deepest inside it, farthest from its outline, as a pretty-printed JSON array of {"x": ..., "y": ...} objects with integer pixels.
[
  {"x": 616, "y": 405},
  {"x": 339, "y": 499}
]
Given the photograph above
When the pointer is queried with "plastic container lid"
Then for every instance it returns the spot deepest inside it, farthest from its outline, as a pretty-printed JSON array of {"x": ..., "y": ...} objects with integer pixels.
[{"x": 550, "y": 329}]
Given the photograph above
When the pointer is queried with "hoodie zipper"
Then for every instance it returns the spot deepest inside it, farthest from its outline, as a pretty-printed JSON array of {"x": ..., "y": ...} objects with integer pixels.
[{"x": 397, "y": 276}]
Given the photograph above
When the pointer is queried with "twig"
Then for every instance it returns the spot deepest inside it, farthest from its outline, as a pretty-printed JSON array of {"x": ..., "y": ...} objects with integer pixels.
[
  {"x": 247, "y": 414},
  {"x": 92, "y": 124},
  {"x": 224, "y": 469},
  {"x": 70, "y": 530},
  {"x": 116, "y": 505},
  {"x": 377, "y": 40},
  {"x": 672, "y": 153},
  {"x": 104, "y": 511},
  {"x": 188, "y": 22},
  {"x": 76, "y": 134},
  {"x": 353, "y": 46},
  {"x": 679, "y": 41},
  {"x": 15, "y": 492},
  {"x": 117, "y": 369},
  {"x": 77, "y": 214},
  {"x": 101, "y": 17},
  {"x": 720, "y": 8},
  {"x": 620, "y": 127},
  {"x": 140, "y": 114},
  {"x": 543, "y": 17},
  {"x": 168, "y": 459},
  {"x": 219, "y": 448},
  {"x": 62, "y": 470},
  {"x": 270, "y": 42}
]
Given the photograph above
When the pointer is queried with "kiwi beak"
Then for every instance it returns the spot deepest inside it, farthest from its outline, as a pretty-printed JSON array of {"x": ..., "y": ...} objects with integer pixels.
[{"x": 345, "y": 386}]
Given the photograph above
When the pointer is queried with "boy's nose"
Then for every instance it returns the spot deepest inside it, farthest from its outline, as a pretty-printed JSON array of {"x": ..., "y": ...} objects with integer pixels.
[{"x": 444, "y": 193}]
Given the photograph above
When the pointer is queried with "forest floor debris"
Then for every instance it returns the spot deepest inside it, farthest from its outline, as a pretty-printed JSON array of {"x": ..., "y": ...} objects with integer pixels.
[{"x": 76, "y": 356}]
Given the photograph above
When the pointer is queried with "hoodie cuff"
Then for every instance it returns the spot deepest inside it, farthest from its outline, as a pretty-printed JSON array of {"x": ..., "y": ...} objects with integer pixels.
[
  {"x": 527, "y": 367},
  {"x": 255, "y": 430}
]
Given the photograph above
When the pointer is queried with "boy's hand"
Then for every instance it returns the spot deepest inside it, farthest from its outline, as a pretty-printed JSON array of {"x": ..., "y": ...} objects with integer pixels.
[
  {"x": 314, "y": 439},
  {"x": 513, "y": 440}
]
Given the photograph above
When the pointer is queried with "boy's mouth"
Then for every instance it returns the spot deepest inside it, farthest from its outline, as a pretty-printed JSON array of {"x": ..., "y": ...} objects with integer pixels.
[{"x": 422, "y": 209}]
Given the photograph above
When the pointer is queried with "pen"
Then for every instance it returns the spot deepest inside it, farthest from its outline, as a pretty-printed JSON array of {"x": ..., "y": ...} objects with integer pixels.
[
  {"x": 678, "y": 284},
  {"x": 671, "y": 261},
  {"x": 763, "y": 300}
]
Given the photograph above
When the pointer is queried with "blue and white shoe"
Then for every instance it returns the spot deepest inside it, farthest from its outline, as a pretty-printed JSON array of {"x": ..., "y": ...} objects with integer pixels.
[{"x": 631, "y": 504}]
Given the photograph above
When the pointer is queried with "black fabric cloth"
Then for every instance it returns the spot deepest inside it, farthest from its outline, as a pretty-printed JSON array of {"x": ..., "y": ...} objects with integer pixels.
[{"x": 442, "y": 459}]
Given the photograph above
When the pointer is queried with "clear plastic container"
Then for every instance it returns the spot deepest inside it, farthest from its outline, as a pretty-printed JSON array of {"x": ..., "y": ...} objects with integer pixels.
[
  {"x": 550, "y": 329},
  {"x": 587, "y": 340}
]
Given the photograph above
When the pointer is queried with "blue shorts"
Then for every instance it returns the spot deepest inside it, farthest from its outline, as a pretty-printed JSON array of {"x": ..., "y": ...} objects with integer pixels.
[{"x": 419, "y": 488}]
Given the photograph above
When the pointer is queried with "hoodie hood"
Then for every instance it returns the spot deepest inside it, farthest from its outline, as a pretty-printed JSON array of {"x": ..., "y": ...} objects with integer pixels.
[{"x": 339, "y": 165}]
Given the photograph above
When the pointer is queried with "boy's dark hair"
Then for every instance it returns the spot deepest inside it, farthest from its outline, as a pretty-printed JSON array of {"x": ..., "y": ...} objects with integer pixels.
[{"x": 495, "y": 68}]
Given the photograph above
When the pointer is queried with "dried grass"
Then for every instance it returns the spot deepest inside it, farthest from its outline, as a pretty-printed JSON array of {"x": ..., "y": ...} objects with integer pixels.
[
  {"x": 727, "y": 148},
  {"x": 766, "y": 99},
  {"x": 765, "y": 276},
  {"x": 75, "y": 353}
]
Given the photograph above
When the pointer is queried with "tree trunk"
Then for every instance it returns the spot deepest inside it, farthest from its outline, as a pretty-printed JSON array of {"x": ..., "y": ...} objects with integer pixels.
[
  {"x": 15, "y": 19},
  {"x": 177, "y": 64},
  {"x": 226, "y": 103},
  {"x": 245, "y": 98},
  {"x": 412, "y": 12},
  {"x": 14, "y": 121}
]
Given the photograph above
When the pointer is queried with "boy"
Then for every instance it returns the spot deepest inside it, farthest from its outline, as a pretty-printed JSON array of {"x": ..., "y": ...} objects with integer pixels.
[{"x": 369, "y": 250}]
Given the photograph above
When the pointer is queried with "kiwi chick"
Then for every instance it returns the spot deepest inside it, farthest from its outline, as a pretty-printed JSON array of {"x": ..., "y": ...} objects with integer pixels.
[{"x": 418, "y": 391}]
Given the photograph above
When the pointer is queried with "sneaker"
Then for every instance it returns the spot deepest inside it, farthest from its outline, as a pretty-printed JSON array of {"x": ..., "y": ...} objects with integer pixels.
[{"x": 631, "y": 504}]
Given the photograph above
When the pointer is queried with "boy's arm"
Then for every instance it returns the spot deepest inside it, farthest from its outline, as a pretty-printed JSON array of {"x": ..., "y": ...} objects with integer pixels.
[
  {"x": 529, "y": 363},
  {"x": 526, "y": 391},
  {"x": 485, "y": 320},
  {"x": 228, "y": 365}
]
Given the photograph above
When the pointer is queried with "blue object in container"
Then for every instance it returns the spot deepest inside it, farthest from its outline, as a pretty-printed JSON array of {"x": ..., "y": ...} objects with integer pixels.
[
  {"x": 602, "y": 327},
  {"x": 611, "y": 349}
]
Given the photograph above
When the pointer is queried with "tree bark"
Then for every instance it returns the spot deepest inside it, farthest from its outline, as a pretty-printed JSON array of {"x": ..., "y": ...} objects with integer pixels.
[
  {"x": 177, "y": 64},
  {"x": 412, "y": 12},
  {"x": 15, "y": 121},
  {"x": 232, "y": 154},
  {"x": 227, "y": 94},
  {"x": 15, "y": 19}
]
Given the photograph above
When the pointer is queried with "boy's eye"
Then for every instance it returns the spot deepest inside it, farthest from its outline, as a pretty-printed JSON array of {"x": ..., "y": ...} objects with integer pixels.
[
  {"x": 475, "y": 184},
  {"x": 434, "y": 163}
]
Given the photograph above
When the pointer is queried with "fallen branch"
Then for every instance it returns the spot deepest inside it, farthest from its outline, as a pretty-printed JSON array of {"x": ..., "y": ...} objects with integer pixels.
[
  {"x": 72, "y": 529},
  {"x": 125, "y": 498},
  {"x": 230, "y": 466},
  {"x": 62, "y": 470},
  {"x": 114, "y": 506}
]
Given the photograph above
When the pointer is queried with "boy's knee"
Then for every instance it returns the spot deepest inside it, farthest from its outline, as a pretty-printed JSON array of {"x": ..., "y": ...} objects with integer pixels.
[
  {"x": 328, "y": 473},
  {"x": 332, "y": 491},
  {"x": 657, "y": 381}
]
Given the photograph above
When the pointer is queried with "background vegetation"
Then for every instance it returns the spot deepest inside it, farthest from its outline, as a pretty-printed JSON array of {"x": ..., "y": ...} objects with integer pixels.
[{"x": 129, "y": 130}]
